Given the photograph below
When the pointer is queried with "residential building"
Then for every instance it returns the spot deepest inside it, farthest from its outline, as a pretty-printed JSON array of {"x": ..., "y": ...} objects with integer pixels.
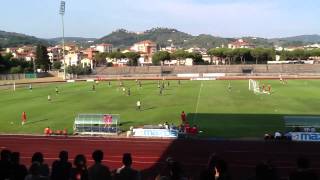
[
  {"x": 240, "y": 43},
  {"x": 55, "y": 53},
  {"x": 104, "y": 48},
  {"x": 87, "y": 62},
  {"x": 73, "y": 58},
  {"x": 146, "y": 49},
  {"x": 90, "y": 53}
]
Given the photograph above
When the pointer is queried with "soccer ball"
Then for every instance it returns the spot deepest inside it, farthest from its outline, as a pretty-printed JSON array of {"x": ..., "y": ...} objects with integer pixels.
[{"x": 11, "y": 123}]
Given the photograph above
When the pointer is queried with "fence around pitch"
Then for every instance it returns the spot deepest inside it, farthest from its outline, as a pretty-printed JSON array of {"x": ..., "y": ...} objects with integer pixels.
[{"x": 95, "y": 124}]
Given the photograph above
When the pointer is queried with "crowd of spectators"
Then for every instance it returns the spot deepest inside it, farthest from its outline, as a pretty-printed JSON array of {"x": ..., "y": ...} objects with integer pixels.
[{"x": 62, "y": 169}]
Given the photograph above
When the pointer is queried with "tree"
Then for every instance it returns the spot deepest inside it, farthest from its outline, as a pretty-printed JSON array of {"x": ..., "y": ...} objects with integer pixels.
[
  {"x": 57, "y": 64},
  {"x": 100, "y": 58},
  {"x": 242, "y": 53},
  {"x": 116, "y": 55},
  {"x": 160, "y": 56},
  {"x": 229, "y": 53},
  {"x": 196, "y": 57},
  {"x": 133, "y": 58},
  {"x": 42, "y": 58},
  {"x": 217, "y": 52},
  {"x": 300, "y": 54},
  {"x": 79, "y": 70},
  {"x": 256, "y": 54},
  {"x": 179, "y": 55}
]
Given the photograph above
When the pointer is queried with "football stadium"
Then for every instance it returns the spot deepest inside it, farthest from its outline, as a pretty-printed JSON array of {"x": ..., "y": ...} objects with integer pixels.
[
  {"x": 234, "y": 97},
  {"x": 237, "y": 117}
]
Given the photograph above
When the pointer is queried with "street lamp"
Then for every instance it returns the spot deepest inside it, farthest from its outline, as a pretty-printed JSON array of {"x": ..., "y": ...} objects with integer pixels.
[{"x": 61, "y": 12}]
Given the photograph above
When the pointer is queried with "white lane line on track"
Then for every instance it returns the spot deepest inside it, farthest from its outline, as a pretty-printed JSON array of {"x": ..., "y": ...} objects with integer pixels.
[{"x": 165, "y": 141}]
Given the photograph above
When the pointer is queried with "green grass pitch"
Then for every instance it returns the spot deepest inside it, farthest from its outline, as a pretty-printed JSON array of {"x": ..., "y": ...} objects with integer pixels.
[{"x": 217, "y": 111}]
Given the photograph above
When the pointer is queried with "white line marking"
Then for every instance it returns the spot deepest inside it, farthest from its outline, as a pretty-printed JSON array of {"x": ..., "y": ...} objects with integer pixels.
[
  {"x": 198, "y": 100},
  {"x": 90, "y": 140}
]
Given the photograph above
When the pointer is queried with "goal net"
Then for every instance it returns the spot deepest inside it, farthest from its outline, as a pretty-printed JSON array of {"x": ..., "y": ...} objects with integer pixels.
[{"x": 254, "y": 86}]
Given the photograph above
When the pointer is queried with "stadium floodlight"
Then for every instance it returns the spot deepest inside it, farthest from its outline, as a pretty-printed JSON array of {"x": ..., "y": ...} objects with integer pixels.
[
  {"x": 62, "y": 7},
  {"x": 61, "y": 12}
]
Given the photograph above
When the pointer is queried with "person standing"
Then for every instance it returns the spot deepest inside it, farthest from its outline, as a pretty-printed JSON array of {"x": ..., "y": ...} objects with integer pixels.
[
  {"x": 49, "y": 98},
  {"x": 30, "y": 87},
  {"x": 98, "y": 171},
  {"x": 126, "y": 171},
  {"x": 229, "y": 87},
  {"x": 129, "y": 92},
  {"x": 57, "y": 90},
  {"x": 79, "y": 171},
  {"x": 139, "y": 105},
  {"x": 183, "y": 117},
  {"x": 23, "y": 118},
  {"x": 61, "y": 168}
]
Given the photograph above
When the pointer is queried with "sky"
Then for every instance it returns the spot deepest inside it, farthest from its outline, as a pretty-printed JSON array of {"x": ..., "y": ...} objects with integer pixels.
[{"x": 226, "y": 18}]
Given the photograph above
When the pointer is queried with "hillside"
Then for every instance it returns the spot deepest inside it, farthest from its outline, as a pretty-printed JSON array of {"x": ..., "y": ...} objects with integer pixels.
[
  {"x": 10, "y": 39},
  {"x": 77, "y": 40},
  {"x": 296, "y": 40},
  {"x": 162, "y": 36}
]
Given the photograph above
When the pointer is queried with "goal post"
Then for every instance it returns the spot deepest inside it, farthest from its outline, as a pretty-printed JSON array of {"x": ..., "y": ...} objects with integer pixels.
[{"x": 254, "y": 86}]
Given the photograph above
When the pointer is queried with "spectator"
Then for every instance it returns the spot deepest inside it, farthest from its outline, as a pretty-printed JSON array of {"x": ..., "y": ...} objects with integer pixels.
[
  {"x": 126, "y": 172},
  {"x": 98, "y": 171},
  {"x": 44, "y": 168},
  {"x": 172, "y": 171},
  {"x": 18, "y": 171},
  {"x": 303, "y": 170},
  {"x": 222, "y": 170},
  {"x": 210, "y": 171},
  {"x": 79, "y": 172},
  {"x": 277, "y": 135},
  {"x": 166, "y": 125},
  {"x": 61, "y": 168},
  {"x": 265, "y": 171},
  {"x": 34, "y": 172},
  {"x": 5, "y": 164}
]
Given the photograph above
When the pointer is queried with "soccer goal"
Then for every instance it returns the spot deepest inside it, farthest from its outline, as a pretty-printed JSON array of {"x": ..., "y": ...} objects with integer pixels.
[
  {"x": 96, "y": 124},
  {"x": 254, "y": 86}
]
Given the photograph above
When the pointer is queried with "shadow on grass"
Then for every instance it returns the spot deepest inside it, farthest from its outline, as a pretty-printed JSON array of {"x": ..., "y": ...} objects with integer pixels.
[
  {"x": 148, "y": 108},
  {"x": 124, "y": 123},
  {"x": 37, "y": 121}
]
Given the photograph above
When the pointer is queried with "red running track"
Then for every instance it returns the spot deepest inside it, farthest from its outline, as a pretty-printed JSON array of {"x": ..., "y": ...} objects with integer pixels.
[{"x": 149, "y": 154}]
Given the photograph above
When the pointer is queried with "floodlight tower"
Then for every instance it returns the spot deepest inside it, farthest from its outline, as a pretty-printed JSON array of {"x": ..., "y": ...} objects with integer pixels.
[{"x": 61, "y": 12}]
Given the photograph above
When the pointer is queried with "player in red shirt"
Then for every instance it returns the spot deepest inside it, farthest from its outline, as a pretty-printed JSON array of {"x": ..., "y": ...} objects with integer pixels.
[
  {"x": 183, "y": 117},
  {"x": 107, "y": 120},
  {"x": 23, "y": 118}
]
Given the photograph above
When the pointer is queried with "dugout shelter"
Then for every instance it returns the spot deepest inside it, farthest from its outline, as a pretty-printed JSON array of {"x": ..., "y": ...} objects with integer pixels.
[{"x": 96, "y": 124}]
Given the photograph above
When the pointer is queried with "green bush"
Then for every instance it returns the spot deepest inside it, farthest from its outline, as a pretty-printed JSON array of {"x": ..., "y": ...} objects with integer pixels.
[
  {"x": 16, "y": 70},
  {"x": 57, "y": 65}
]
